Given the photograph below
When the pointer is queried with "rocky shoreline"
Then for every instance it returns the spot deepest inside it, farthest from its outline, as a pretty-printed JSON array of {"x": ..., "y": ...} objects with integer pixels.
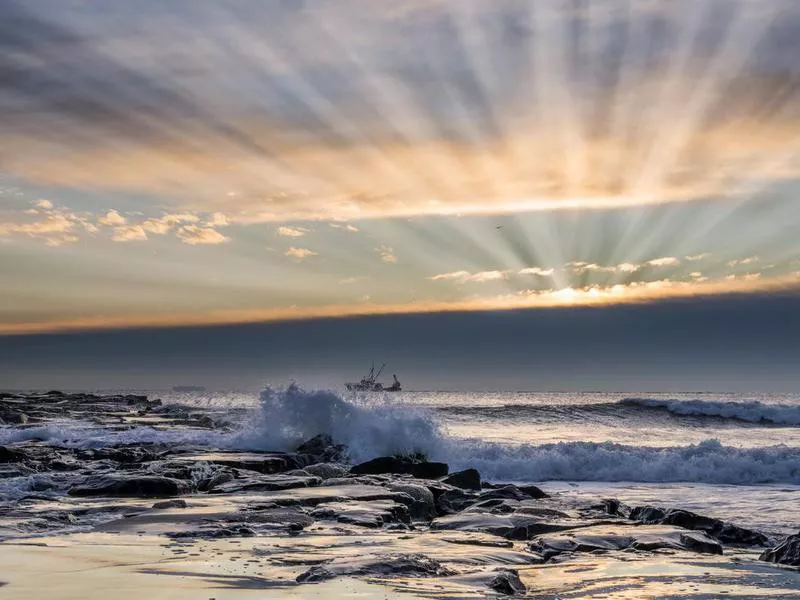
[{"x": 433, "y": 525}]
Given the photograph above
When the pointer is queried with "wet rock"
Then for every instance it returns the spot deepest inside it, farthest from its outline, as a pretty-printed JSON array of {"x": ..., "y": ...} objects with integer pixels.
[
  {"x": 387, "y": 565},
  {"x": 785, "y": 553},
  {"x": 14, "y": 417},
  {"x": 507, "y": 582},
  {"x": 511, "y": 527},
  {"x": 468, "y": 479},
  {"x": 511, "y": 492},
  {"x": 373, "y": 515},
  {"x": 268, "y": 464},
  {"x": 423, "y": 506},
  {"x": 148, "y": 486},
  {"x": 265, "y": 483},
  {"x": 548, "y": 547},
  {"x": 206, "y": 421},
  {"x": 293, "y": 518},
  {"x": 614, "y": 507},
  {"x": 453, "y": 501},
  {"x": 647, "y": 514},
  {"x": 323, "y": 470},
  {"x": 720, "y": 530},
  {"x": 11, "y": 455},
  {"x": 164, "y": 504},
  {"x": 322, "y": 448},
  {"x": 401, "y": 465},
  {"x": 699, "y": 542},
  {"x": 122, "y": 454}
]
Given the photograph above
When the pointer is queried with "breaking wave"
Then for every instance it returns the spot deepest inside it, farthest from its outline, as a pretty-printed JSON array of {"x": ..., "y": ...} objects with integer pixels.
[
  {"x": 369, "y": 426},
  {"x": 375, "y": 426},
  {"x": 706, "y": 462},
  {"x": 751, "y": 412}
]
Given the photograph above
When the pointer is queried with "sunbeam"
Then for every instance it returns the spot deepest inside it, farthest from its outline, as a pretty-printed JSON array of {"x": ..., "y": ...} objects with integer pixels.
[{"x": 351, "y": 157}]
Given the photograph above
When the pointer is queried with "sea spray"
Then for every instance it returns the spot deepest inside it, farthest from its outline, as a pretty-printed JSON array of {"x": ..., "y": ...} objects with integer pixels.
[{"x": 369, "y": 425}]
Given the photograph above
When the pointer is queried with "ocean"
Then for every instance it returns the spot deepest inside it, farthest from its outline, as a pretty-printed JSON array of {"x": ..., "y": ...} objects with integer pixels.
[{"x": 735, "y": 456}]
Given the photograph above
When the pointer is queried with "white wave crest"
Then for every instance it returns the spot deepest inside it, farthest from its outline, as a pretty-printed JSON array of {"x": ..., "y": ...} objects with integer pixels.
[
  {"x": 706, "y": 462},
  {"x": 752, "y": 412},
  {"x": 368, "y": 426}
]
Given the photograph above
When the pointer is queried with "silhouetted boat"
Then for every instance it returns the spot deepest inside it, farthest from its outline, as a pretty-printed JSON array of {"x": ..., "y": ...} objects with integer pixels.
[{"x": 370, "y": 383}]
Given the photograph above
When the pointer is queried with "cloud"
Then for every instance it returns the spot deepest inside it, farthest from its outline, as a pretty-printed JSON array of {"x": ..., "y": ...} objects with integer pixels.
[
  {"x": 345, "y": 226},
  {"x": 467, "y": 277},
  {"x": 112, "y": 219},
  {"x": 666, "y": 261},
  {"x": 166, "y": 223},
  {"x": 129, "y": 233},
  {"x": 527, "y": 299},
  {"x": 751, "y": 260},
  {"x": 536, "y": 271},
  {"x": 292, "y": 231},
  {"x": 387, "y": 254},
  {"x": 343, "y": 125},
  {"x": 697, "y": 257},
  {"x": 54, "y": 225},
  {"x": 193, "y": 234},
  {"x": 300, "y": 253}
]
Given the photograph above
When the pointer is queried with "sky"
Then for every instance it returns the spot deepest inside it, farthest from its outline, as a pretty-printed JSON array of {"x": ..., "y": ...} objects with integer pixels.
[{"x": 227, "y": 167}]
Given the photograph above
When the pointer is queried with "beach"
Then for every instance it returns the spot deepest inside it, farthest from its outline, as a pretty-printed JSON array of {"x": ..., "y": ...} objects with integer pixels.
[{"x": 303, "y": 494}]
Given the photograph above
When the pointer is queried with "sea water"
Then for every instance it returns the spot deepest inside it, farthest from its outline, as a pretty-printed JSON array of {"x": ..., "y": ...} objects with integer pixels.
[{"x": 731, "y": 456}]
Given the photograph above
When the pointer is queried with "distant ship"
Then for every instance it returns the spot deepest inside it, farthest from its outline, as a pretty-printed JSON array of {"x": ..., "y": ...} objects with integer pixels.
[
  {"x": 188, "y": 388},
  {"x": 369, "y": 383}
]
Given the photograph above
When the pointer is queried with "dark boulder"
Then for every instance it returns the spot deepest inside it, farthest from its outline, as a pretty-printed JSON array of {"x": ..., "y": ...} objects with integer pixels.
[
  {"x": 390, "y": 565},
  {"x": 507, "y": 582},
  {"x": 647, "y": 514},
  {"x": 468, "y": 479},
  {"x": 697, "y": 542},
  {"x": 147, "y": 486},
  {"x": 785, "y": 553},
  {"x": 176, "y": 503},
  {"x": 401, "y": 465},
  {"x": 513, "y": 492},
  {"x": 453, "y": 501}
]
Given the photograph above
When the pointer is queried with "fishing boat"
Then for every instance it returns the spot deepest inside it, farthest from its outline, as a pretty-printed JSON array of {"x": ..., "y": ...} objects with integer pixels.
[{"x": 370, "y": 383}]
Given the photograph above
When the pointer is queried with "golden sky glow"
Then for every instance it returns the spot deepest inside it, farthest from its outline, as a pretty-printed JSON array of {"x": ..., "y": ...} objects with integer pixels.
[{"x": 270, "y": 161}]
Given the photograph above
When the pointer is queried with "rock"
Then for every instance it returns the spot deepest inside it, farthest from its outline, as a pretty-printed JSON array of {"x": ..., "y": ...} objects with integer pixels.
[
  {"x": 647, "y": 514},
  {"x": 429, "y": 470},
  {"x": 785, "y": 553},
  {"x": 147, "y": 486},
  {"x": 508, "y": 582},
  {"x": 323, "y": 470},
  {"x": 265, "y": 483},
  {"x": 401, "y": 465},
  {"x": 11, "y": 455},
  {"x": 510, "y": 492},
  {"x": 724, "y": 532},
  {"x": 14, "y": 417},
  {"x": 453, "y": 501},
  {"x": 322, "y": 447},
  {"x": 206, "y": 421},
  {"x": 614, "y": 507},
  {"x": 548, "y": 547},
  {"x": 388, "y": 565},
  {"x": 699, "y": 542},
  {"x": 468, "y": 479},
  {"x": 511, "y": 527},
  {"x": 177, "y": 503},
  {"x": 423, "y": 507}
]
